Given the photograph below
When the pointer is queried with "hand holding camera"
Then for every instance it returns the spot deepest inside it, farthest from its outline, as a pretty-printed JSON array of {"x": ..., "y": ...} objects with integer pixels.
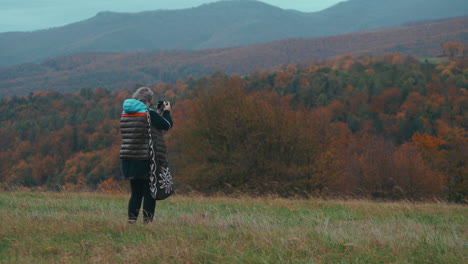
[
  {"x": 164, "y": 105},
  {"x": 167, "y": 106}
]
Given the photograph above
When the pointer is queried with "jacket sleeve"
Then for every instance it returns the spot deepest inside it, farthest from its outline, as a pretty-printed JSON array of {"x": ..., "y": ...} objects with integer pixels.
[{"x": 163, "y": 122}]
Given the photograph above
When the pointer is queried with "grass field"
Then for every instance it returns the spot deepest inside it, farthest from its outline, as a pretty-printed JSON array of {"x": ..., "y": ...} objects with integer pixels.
[{"x": 40, "y": 227}]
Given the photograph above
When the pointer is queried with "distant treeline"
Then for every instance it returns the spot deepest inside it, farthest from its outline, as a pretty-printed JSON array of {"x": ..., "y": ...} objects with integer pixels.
[{"x": 390, "y": 127}]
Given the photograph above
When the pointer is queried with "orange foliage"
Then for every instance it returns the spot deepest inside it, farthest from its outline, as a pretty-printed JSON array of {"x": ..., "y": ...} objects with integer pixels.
[
  {"x": 412, "y": 104},
  {"x": 387, "y": 101},
  {"x": 453, "y": 49},
  {"x": 343, "y": 62},
  {"x": 111, "y": 186},
  {"x": 426, "y": 142},
  {"x": 415, "y": 178},
  {"x": 170, "y": 94},
  {"x": 382, "y": 128}
]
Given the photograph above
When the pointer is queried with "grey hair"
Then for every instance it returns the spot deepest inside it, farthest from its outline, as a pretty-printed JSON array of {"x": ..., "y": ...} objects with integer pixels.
[{"x": 143, "y": 94}]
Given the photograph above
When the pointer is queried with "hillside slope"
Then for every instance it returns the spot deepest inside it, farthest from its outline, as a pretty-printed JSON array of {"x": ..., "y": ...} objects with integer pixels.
[
  {"x": 216, "y": 25},
  {"x": 123, "y": 70}
]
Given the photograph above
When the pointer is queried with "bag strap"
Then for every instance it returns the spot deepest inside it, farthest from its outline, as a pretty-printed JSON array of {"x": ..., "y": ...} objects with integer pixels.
[{"x": 153, "y": 178}]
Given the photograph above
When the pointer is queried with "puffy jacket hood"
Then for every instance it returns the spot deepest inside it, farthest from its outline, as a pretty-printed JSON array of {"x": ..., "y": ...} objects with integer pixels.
[{"x": 133, "y": 106}]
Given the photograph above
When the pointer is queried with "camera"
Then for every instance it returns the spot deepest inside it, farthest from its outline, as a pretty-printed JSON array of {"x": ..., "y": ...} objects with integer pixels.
[{"x": 160, "y": 105}]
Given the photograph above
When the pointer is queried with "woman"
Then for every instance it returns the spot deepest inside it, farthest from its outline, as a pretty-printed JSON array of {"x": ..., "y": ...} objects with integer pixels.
[{"x": 134, "y": 151}]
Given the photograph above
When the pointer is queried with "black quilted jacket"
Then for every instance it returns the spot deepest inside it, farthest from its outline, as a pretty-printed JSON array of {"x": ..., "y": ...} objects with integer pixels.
[{"x": 134, "y": 151}]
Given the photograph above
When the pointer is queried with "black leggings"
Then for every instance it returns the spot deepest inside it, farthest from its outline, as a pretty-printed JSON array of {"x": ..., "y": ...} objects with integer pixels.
[{"x": 140, "y": 190}]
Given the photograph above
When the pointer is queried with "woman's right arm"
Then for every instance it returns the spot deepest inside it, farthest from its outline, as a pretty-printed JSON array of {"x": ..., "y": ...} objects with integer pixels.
[{"x": 163, "y": 122}]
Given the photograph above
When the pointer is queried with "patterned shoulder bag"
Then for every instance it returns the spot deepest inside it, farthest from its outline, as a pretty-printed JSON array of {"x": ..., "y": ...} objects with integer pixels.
[{"x": 161, "y": 186}]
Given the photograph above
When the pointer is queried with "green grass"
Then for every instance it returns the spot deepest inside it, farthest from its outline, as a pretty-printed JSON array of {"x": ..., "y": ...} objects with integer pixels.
[
  {"x": 436, "y": 59},
  {"x": 92, "y": 228}
]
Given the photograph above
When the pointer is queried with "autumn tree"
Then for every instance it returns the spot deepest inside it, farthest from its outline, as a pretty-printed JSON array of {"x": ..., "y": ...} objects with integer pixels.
[
  {"x": 245, "y": 140},
  {"x": 453, "y": 49}
]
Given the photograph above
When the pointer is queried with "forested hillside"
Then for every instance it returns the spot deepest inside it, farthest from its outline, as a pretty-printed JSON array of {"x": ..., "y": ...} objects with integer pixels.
[
  {"x": 124, "y": 70},
  {"x": 390, "y": 127}
]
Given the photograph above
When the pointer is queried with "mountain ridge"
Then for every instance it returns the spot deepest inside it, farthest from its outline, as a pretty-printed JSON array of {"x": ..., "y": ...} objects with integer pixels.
[
  {"x": 214, "y": 25},
  {"x": 124, "y": 70}
]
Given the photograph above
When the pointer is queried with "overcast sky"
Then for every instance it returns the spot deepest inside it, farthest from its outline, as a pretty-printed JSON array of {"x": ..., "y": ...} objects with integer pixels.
[{"x": 27, "y": 15}]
